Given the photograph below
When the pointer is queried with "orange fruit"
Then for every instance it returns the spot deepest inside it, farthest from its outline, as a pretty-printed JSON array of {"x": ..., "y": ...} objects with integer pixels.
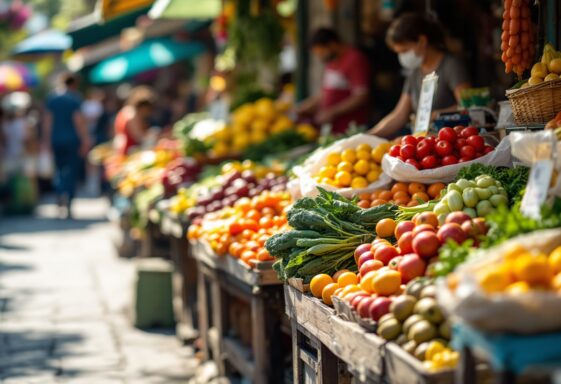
[
  {"x": 366, "y": 281},
  {"x": 263, "y": 255},
  {"x": 387, "y": 282},
  {"x": 385, "y": 227},
  {"x": 235, "y": 249},
  {"x": 351, "y": 288},
  {"x": 412, "y": 203},
  {"x": 415, "y": 187},
  {"x": 319, "y": 282},
  {"x": 377, "y": 202},
  {"x": 364, "y": 196},
  {"x": 386, "y": 195},
  {"x": 533, "y": 269},
  {"x": 401, "y": 195},
  {"x": 495, "y": 278},
  {"x": 364, "y": 204},
  {"x": 401, "y": 202},
  {"x": 399, "y": 186},
  {"x": 328, "y": 291},
  {"x": 347, "y": 278},
  {"x": 434, "y": 190},
  {"x": 420, "y": 195},
  {"x": 555, "y": 260},
  {"x": 339, "y": 273},
  {"x": 518, "y": 288},
  {"x": 375, "y": 194},
  {"x": 427, "y": 218}
]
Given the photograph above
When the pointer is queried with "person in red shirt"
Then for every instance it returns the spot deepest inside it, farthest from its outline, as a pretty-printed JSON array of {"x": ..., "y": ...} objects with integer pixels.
[
  {"x": 133, "y": 120},
  {"x": 345, "y": 84}
]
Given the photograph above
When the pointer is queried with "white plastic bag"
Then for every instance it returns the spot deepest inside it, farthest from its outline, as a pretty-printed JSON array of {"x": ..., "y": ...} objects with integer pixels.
[
  {"x": 45, "y": 165},
  {"x": 305, "y": 173},
  {"x": 401, "y": 171},
  {"x": 536, "y": 311}
]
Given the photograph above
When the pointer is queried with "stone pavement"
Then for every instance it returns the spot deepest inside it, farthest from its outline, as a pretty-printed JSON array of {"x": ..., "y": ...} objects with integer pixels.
[{"x": 64, "y": 299}]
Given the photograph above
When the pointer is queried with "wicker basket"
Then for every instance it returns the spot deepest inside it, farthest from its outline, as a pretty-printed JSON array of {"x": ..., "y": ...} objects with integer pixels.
[{"x": 536, "y": 104}]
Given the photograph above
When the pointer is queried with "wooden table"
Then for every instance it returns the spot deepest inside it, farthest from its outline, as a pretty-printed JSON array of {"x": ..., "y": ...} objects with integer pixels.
[
  {"x": 184, "y": 278},
  {"x": 240, "y": 316}
]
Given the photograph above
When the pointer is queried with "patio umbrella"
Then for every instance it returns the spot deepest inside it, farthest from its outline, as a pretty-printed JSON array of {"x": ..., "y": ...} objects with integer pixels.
[
  {"x": 185, "y": 9},
  {"x": 49, "y": 41},
  {"x": 149, "y": 55},
  {"x": 16, "y": 76}
]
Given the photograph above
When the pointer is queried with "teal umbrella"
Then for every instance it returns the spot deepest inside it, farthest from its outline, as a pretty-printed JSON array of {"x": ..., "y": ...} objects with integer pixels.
[
  {"x": 50, "y": 41},
  {"x": 149, "y": 55}
]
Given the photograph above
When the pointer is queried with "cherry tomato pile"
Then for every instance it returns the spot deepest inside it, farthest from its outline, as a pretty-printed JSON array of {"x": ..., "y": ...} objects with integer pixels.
[{"x": 452, "y": 146}]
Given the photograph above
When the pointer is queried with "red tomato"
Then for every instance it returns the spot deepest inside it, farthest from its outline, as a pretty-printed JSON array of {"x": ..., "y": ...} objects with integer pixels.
[
  {"x": 394, "y": 150},
  {"x": 464, "y": 159},
  {"x": 447, "y": 134},
  {"x": 458, "y": 129},
  {"x": 407, "y": 151},
  {"x": 431, "y": 139},
  {"x": 467, "y": 152},
  {"x": 460, "y": 143},
  {"x": 443, "y": 148},
  {"x": 424, "y": 148},
  {"x": 429, "y": 162},
  {"x": 487, "y": 149},
  {"x": 469, "y": 131},
  {"x": 476, "y": 142},
  {"x": 409, "y": 139},
  {"x": 414, "y": 163},
  {"x": 449, "y": 160}
]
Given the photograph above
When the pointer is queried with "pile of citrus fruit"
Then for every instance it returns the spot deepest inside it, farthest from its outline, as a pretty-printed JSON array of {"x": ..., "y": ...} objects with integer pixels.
[
  {"x": 245, "y": 227},
  {"x": 522, "y": 270},
  {"x": 402, "y": 194},
  {"x": 353, "y": 167}
]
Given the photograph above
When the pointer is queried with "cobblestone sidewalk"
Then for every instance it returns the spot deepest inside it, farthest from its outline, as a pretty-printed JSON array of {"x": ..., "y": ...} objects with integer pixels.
[{"x": 64, "y": 298}]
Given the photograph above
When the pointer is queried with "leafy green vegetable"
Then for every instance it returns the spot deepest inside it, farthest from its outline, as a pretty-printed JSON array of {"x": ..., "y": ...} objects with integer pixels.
[
  {"x": 451, "y": 255},
  {"x": 514, "y": 180}
]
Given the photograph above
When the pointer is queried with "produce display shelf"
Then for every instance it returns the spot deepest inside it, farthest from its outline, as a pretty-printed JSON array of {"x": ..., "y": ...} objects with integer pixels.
[
  {"x": 368, "y": 357},
  {"x": 240, "y": 316}
]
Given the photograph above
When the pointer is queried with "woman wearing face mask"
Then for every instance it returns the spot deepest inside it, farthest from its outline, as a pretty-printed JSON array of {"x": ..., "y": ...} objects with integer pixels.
[{"x": 419, "y": 44}]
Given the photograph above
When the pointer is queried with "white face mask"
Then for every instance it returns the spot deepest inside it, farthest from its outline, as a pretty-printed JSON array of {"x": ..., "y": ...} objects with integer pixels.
[{"x": 410, "y": 60}]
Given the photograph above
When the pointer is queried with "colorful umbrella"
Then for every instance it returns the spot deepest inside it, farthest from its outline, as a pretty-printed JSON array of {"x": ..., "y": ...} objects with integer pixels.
[
  {"x": 50, "y": 41},
  {"x": 16, "y": 77}
]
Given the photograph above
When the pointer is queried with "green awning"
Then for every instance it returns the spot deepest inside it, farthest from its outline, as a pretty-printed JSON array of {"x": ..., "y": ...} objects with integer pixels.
[
  {"x": 156, "y": 53},
  {"x": 185, "y": 9},
  {"x": 91, "y": 30}
]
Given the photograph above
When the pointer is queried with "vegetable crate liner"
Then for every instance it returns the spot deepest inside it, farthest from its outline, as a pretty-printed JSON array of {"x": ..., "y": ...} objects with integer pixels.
[
  {"x": 536, "y": 104},
  {"x": 528, "y": 313}
]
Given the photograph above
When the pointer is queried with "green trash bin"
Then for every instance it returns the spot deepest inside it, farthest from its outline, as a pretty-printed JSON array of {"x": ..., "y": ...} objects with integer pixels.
[{"x": 153, "y": 301}]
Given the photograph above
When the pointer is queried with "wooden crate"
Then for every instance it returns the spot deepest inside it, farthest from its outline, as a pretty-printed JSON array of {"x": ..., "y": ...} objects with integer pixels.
[{"x": 240, "y": 316}]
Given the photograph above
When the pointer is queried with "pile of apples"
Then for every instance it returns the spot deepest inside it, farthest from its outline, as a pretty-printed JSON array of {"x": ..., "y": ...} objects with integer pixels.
[{"x": 452, "y": 146}]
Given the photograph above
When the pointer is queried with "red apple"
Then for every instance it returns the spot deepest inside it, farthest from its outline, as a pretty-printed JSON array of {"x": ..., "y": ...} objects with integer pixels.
[
  {"x": 423, "y": 228},
  {"x": 457, "y": 217},
  {"x": 411, "y": 266},
  {"x": 394, "y": 263},
  {"x": 363, "y": 307},
  {"x": 405, "y": 243},
  {"x": 385, "y": 253},
  {"x": 451, "y": 231},
  {"x": 426, "y": 244},
  {"x": 481, "y": 225},
  {"x": 403, "y": 227},
  {"x": 365, "y": 257},
  {"x": 370, "y": 265},
  {"x": 360, "y": 250},
  {"x": 355, "y": 301},
  {"x": 379, "y": 307}
]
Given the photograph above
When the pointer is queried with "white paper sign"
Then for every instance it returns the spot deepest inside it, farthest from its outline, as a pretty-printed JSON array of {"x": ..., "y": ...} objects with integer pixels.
[
  {"x": 537, "y": 187},
  {"x": 424, "y": 109}
]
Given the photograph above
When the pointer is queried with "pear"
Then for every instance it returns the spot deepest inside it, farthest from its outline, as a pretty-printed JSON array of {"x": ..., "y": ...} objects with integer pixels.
[
  {"x": 534, "y": 80},
  {"x": 551, "y": 76},
  {"x": 538, "y": 70},
  {"x": 555, "y": 66}
]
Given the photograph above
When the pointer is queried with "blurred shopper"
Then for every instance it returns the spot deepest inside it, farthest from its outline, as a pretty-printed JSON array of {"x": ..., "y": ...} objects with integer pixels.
[
  {"x": 92, "y": 109},
  {"x": 345, "y": 84},
  {"x": 133, "y": 120},
  {"x": 420, "y": 45},
  {"x": 67, "y": 135}
]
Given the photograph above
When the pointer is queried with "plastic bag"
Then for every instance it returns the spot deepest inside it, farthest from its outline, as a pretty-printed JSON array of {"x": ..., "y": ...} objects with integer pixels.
[
  {"x": 305, "y": 173},
  {"x": 536, "y": 311},
  {"x": 401, "y": 171},
  {"x": 45, "y": 165}
]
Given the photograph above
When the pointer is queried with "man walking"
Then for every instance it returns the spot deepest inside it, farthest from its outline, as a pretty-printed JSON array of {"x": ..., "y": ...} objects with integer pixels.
[{"x": 65, "y": 131}]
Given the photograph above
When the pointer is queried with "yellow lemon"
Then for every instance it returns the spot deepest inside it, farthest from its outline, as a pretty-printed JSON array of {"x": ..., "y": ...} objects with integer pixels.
[
  {"x": 513, "y": 251},
  {"x": 494, "y": 278},
  {"x": 326, "y": 181},
  {"x": 359, "y": 183},
  {"x": 348, "y": 155},
  {"x": 377, "y": 153},
  {"x": 362, "y": 167},
  {"x": 327, "y": 171},
  {"x": 518, "y": 288},
  {"x": 533, "y": 269},
  {"x": 363, "y": 147},
  {"x": 433, "y": 348},
  {"x": 372, "y": 176},
  {"x": 333, "y": 159},
  {"x": 345, "y": 166},
  {"x": 363, "y": 155},
  {"x": 343, "y": 179},
  {"x": 555, "y": 260},
  {"x": 556, "y": 282}
]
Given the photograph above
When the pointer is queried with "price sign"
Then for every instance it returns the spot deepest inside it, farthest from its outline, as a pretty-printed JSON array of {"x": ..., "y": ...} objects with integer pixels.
[
  {"x": 537, "y": 187},
  {"x": 424, "y": 109}
]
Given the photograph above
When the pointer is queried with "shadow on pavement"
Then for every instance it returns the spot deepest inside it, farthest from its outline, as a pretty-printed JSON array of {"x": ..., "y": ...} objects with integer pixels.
[{"x": 41, "y": 224}]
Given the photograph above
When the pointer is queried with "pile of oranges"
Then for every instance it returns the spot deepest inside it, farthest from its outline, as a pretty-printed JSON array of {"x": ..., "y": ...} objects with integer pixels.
[
  {"x": 246, "y": 226},
  {"x": 353, "y": 167},
  {"x": 402, "y": 194}
]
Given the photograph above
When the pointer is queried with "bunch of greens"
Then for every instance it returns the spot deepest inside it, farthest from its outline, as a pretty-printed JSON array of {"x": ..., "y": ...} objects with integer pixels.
[
  {"x": 183, "y": 127},
  {"x": 278, "y": 143},
  {"x": 451, "y": 255},
  {"x": 507, "y": 223},
  {"x": 513, "y": 179},
  {"x": 326, "y": 231}
]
